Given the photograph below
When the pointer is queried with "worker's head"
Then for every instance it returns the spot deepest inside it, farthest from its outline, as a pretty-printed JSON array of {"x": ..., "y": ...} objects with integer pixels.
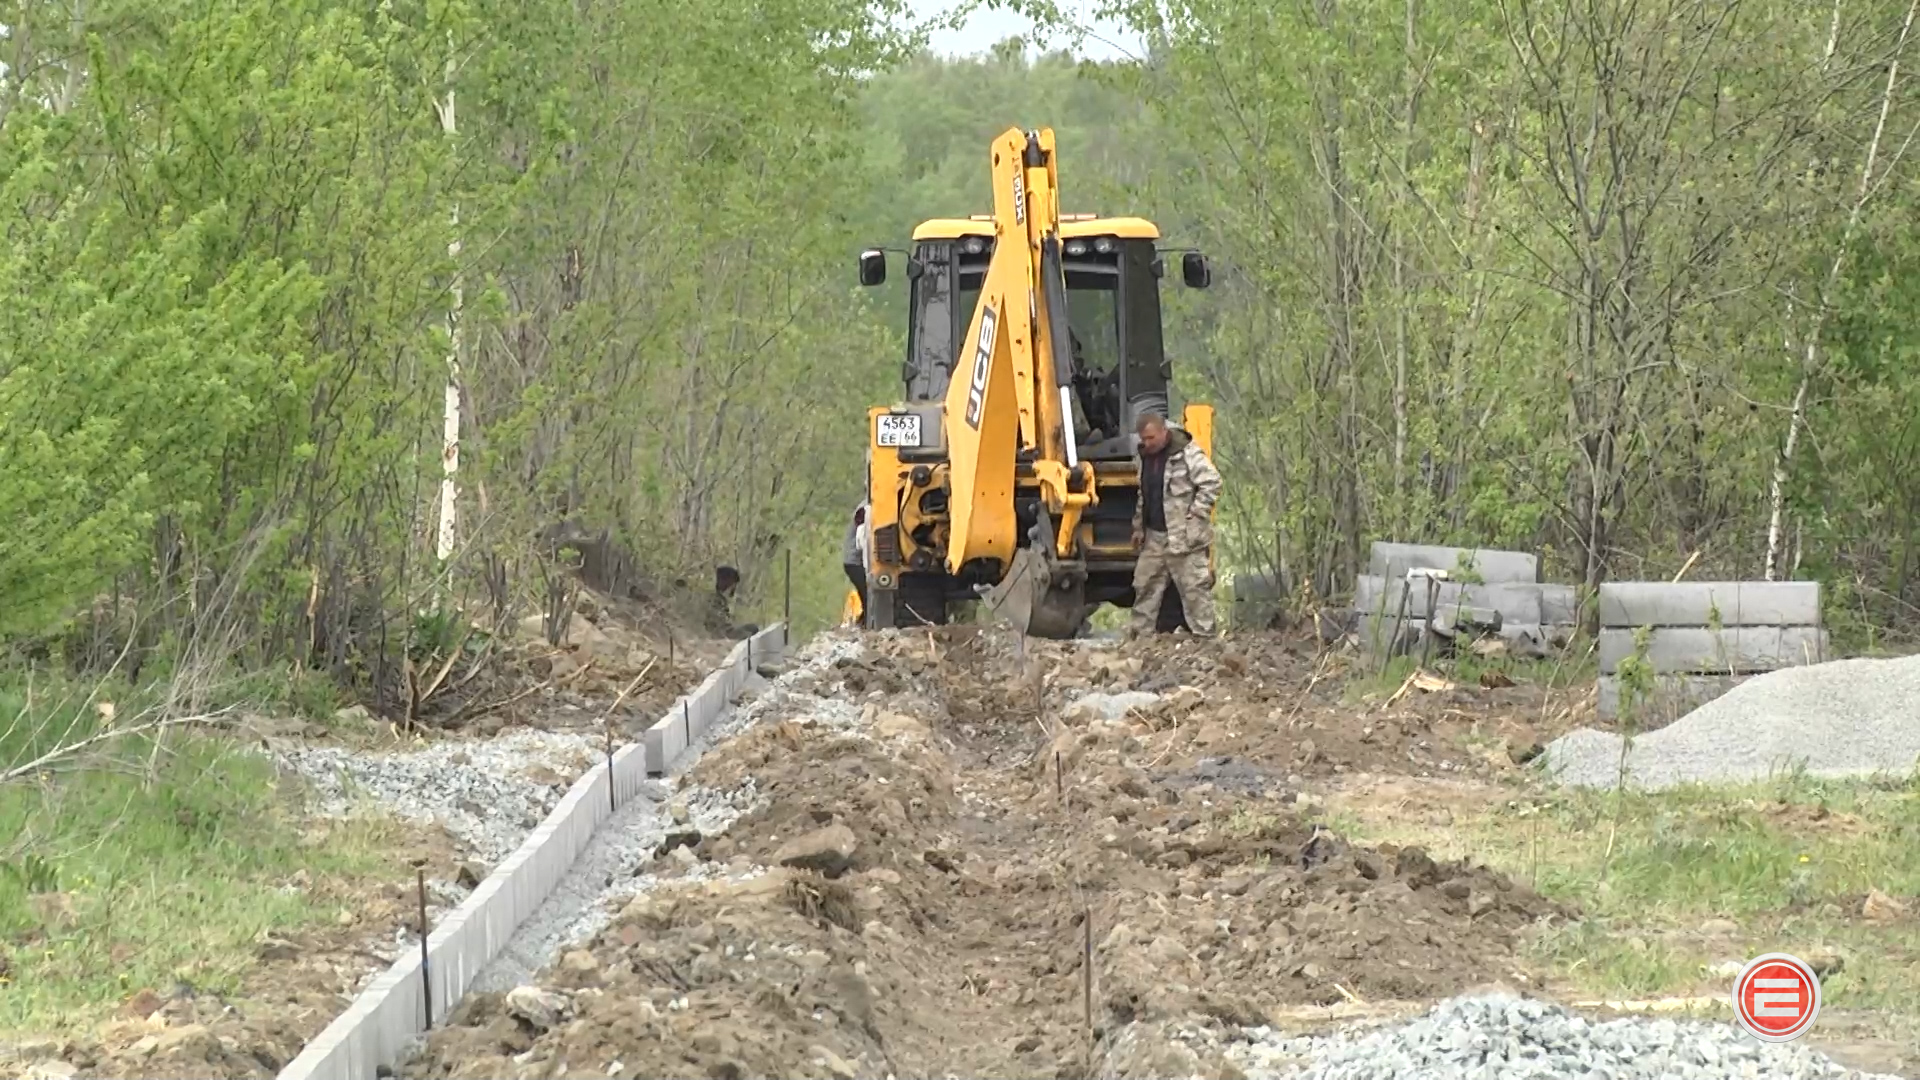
[
  {"x": 1153, "y": 432},
  {"x": 725, "y": 579}
]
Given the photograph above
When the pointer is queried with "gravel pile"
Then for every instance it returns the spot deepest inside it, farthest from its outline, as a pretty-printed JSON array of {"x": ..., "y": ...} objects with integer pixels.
[
  {"x": 1500, "y": 1037},
  {"x": 1842, "y": 718},
  {"x": 490, "y": 794}
]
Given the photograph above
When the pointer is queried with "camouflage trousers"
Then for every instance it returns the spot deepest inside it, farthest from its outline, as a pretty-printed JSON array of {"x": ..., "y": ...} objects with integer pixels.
[{"x": 1188, "y": 571}]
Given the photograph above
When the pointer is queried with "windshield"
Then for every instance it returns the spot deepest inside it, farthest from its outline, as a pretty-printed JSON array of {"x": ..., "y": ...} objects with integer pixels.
[
  {"x": 1113, "y": 311},
  {"x": 1093, "y": 317},
  {"x": 1093, "y": 314}
]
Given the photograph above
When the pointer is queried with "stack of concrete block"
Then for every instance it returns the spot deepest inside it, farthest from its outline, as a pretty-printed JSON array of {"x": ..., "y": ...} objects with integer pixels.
[
  {"x": 1705, "y": 637},
  {"x": 1508, "y": 591}
]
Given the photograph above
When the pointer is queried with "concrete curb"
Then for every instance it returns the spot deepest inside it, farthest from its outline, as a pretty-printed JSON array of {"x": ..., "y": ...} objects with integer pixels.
[
  {"x": 1706, "y": 637},
  {"x": 390, "y": 1012}
]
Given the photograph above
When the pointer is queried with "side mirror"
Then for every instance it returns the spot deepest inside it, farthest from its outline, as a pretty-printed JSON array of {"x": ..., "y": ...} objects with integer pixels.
[
  {"x": 873, "y": 267},
  {"x": 1195, "y": 271}
]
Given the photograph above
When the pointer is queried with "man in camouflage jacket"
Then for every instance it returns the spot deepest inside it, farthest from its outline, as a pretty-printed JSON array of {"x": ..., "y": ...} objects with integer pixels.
[{"x": 1173, "y": 526}]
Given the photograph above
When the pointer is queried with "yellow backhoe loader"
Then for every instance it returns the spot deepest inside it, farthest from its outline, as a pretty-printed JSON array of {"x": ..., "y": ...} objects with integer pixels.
[{"x": 1033, "y": 345}]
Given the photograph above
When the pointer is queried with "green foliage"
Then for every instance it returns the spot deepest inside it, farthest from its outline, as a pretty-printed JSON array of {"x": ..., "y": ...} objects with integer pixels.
[
  {"x": 1434, "y": 324},
  {"x": 235, "y": 301},
  {"x": 144, "y": 860}
]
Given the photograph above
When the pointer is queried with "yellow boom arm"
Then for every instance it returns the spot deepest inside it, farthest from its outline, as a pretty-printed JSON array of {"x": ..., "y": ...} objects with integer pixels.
[{"x": 1018, "y": 369}]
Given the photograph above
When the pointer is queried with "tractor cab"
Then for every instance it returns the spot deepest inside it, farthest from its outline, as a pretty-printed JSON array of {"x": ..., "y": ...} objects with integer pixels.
[{"x": 1113, "y": 277}]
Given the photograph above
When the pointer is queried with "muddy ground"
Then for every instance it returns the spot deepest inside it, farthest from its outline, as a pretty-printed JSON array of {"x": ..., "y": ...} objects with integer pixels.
[
  {"x": 943, "y": 867},
  {"x": 614, "y": 666}
]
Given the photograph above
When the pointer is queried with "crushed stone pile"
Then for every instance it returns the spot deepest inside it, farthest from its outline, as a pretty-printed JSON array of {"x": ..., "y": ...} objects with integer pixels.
[
  {"x": 1505, "y": 1037},
  {"x": 1843, "y": 718},
  {"x": 488, "y": 793}
]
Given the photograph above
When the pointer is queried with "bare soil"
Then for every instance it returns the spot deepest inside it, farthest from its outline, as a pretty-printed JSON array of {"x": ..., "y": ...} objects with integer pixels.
[
  {"x": 942, "y": 871},
  {"x": 618, "y": 661}
]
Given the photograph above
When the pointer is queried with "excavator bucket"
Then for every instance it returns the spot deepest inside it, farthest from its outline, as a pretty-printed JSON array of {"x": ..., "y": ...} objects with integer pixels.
[{"x": 1038, "y": 596}]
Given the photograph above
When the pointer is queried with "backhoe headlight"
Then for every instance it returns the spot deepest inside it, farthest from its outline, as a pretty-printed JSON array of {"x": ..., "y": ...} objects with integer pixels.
[
  {"x": 1076, "y": 247},
  {"x": 975, "y": 245},
  {"x": 1104, "y": 246}
]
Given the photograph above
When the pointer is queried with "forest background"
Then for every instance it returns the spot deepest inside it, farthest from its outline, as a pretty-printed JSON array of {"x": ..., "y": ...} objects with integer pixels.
[{"x": 1627, "y": 285}]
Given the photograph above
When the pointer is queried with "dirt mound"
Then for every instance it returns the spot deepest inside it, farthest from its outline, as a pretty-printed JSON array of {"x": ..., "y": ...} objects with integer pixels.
[
  {"x": 944, "y": 855},
  {"x": 616, "y": 659},
  {"x": 1282, "y": 706}
]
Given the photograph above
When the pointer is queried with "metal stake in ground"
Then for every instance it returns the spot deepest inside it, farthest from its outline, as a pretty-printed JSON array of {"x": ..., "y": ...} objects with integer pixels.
[
  {"x": 1086, "y": 981},
  {"x": 1399, "y": 626},
  {"x": 686, "y": 723},
  {"x": 786, "y": 600},
  {"x": 613, "y": 805},
  {"x": 426, "y": 977}
]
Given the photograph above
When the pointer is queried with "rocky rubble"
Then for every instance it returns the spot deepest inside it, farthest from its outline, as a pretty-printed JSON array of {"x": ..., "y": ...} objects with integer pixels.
[
  {"x": 489, "y": 794},
  {"x": 948, "y": 832},
  {"x": 1507, "y": 1036}
]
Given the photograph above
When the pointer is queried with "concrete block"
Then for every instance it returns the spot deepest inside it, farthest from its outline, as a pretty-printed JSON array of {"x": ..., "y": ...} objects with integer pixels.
[
  {"x": 1560, "y": 605},
  {"x": 1671, "y": 697},
  {"x": 1692, "y": 603},
  {"x": 629, "y": 770},
  {"x": 708, "y": 702},
  {"x": 667, "y": 739},
  {"x": 391, "y": 1012},
  {"x": 710, "y": 699},
  {"x": 770, "y": 646},
  {"x": 1493, "y": 566},
  {"x": 1735, "y": 650},
  {"x": 1448, "y": 618},
  {"x": 1381, "y": 596}
]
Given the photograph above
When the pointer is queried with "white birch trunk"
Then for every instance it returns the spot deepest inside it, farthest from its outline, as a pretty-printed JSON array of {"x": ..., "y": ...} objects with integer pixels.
[
  {"x": 450, "y": 447},
  {"x": 1810, "y": 358}
]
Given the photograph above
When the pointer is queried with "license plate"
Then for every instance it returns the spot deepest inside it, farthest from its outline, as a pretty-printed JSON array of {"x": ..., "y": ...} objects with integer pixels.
[{"x": 897, "y": 431}]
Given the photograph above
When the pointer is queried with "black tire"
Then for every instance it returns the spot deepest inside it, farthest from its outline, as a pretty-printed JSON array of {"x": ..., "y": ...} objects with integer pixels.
[
  {"x": 921, "y": 600},
  {"x": 877, "y": 609}
]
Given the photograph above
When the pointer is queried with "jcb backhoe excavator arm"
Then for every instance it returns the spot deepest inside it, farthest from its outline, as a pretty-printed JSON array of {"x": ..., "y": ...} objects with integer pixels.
[{"x": 1013, "y": 404}]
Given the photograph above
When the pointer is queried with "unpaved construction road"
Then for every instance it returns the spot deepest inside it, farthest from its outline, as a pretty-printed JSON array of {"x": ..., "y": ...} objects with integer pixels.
[{"x": 1085, "y": 860}]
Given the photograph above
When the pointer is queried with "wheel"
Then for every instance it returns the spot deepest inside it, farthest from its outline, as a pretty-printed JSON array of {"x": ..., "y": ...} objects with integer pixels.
[
  {"x": 921, "y": 600},
  {"x": 916, "y": 600}
]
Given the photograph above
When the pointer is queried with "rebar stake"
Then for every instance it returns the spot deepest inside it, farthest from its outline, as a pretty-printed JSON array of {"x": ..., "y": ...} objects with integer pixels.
[
  {"x": 1086, "y": 981},
  {"x": 426, "y": 976}
]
